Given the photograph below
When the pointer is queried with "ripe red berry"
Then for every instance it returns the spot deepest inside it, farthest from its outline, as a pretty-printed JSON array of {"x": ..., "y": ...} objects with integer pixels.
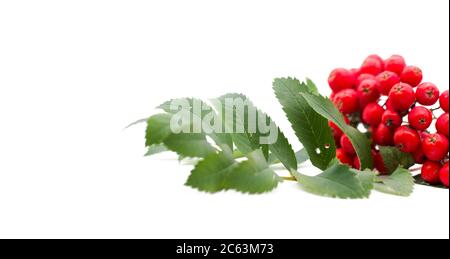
[
  {"x": 373, "y": 65},
  {"x": 386, "y": 81},
  {"x": 435, "y": 147},
  {"x": 430, "y": 172},
  {"x": 412, "y": 75},
  {"x": 337, "y": 132},
  {"x": 356, "y": 163},
  {"x": 443, "y": 101},
  {"x": 395, "y": 64},
  {"x": 378, "y": 162},
  {"x": 442, "y": 124},
  {"x": 347, "y": 101},
  {"x": 443, "y": 174},
  {"x": 341, "y": 79},
  {"x": 420, "y": 118},
  {"x": 372, "y": 114},
  {"x": 383, "y": 136},
  {"x": 427, "y": 94},
  {"x": 368, "y": 92},
  {"x": 343, "y": 157},
  {"x": 402, "y": 97},
  {"x": 407, "y": 139},
  {"x": 363, "y": 77},
  {"x": 419, "y": 156},
  {"x": 391, "y": 119},
  {"x": 347, "y": 145}
]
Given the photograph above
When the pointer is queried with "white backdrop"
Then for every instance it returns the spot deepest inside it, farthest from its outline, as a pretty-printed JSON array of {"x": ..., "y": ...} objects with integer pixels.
[{"x": 74, "y": 73}]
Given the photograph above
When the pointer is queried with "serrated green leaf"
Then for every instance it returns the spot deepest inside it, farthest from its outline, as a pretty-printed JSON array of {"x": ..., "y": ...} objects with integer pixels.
[
  {"x": 367, "y": 179},
  {"x": 338, "y": 181},
  {"x": 156, "y": 149},
  {"x": 210, "y": 174},
  {"x": 312, "y": 88},
  {"x": 418, "y": 180},
  {"x": 311, "y": 128},
  {"x": 189, "y": 145},
  {"x": 360, "y": 142},
  {"x": 400, "y": 183},
  {"x": 393, "y": 158},
  {"x": 301, "y": 157},
  {"x": 158, "y": 129},
  {"x": 249, "y": 141},
  {"x": 253, "y": 176}
]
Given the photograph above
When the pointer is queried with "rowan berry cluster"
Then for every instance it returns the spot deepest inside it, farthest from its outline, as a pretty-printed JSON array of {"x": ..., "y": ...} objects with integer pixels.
[{"x": 397, "y": 109}]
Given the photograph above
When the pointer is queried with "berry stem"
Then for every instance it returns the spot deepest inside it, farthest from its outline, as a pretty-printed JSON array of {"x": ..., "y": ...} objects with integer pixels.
[{"x": 289, "y": 178}]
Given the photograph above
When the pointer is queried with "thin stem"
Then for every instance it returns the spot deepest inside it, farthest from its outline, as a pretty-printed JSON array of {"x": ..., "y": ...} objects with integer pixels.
[{"x": 289, "y": 178}]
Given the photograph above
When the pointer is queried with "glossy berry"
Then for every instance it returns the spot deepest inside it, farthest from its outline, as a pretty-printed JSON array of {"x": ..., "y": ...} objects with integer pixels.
[
  {"x": 419, "y": 156},
  {"x": 443, "y": 174},
  {"x": 442, "y": 124},
  {"x": 373, "y": 65},
  {"x": 363, "y": 77},
  {"x": 356, "y": 163},
  {"x": 341, "y": 79},
  {"x": 372, "y": 114},
  {"x": 443, "y": 101},
  {"x": 430, "y": 172},
  {"x": 420, "y": 118},
  {"x": 383, "y": 136},
  {"x": 412, "y": 75},
  {"x": 347, "y": 145},
  {"x": 347, "y": 101},
  {"x": 386, "y": 81},
  {"x": 343, "y": 157},
  {"x": 407, "y": 139},
  {"x": 401, "y": 97},
  {"x": 427, "y": 94},
  {"x": 378, "y": 162},
  {"x": 368, "y": 92},
  {"x": 435, "y": 147},
  {"x": 337, "y": 132},
  {"x": 395, "y": 64},
  {"x": 391, "y": 119}
]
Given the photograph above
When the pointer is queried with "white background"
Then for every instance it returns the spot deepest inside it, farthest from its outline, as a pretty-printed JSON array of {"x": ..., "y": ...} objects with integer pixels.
[{"x": 74, "y": 73}]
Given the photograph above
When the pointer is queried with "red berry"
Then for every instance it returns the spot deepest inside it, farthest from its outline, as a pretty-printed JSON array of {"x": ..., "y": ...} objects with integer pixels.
[
  {"x": 401, "y": 97},
  {"x": 427, "y": 94},
  {"x": 356, "y": 163},
  {"x": 419, "y": 156},
  {"x": 363, "y": 77},
  {"x": 442, "y": 124},
  {"x": 347, "y": 101},
  {"x": 341, "y": 79},
  {"x": 395, "y": 64},
  {"x": 386, "y": 81},
  {"x": 435, "y": 147},
  {"x": 391, "y": 119},
  {"x": 383, "y": 136},
  {"x": 443, "y": 101},
  {"x": 443, "y": 174},
  {"x": 337, "y": 132},
  {"x": 373, "y": 65},
  {"x": 372, "y": 114},
  {"x": 430, "y": 172},
  {"x": 368, "y": 92},
  {"x": 420, "y": 118},
  {"x": 344, "y": 157},
  {"x": 378, "y": 162},
  {"x": 412, "y": 75},
  {"x": 389, "y": 105},
  {"x": 347, "y": 145},
  {"x": 407, "y": 139}
]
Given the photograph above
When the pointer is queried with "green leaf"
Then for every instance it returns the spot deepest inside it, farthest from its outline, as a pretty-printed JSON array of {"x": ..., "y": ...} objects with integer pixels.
[
  {"x": 189, "y": 145},
  {"x": 210, "y": 174},
  {"x": 367, "y": 178},
  {"x": 312, "y": 88},
  {"x": 156, "y": 149},
  {"x": 394, "y": 158},
  {"x": 136, "y": 123},
  {"x": 339, "y": 181},
  {"x": 418, "y": 180},
  {"x": 400, "y": 183},
  {"x": 301, "y": 157},
  {"x": 249, "y": 141},
  {"x": 253, "y": 175},
  {"x": 311, "y": 128},
  {"x": 158, "y": 129},
  {"x": 360, "y": 142}
]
